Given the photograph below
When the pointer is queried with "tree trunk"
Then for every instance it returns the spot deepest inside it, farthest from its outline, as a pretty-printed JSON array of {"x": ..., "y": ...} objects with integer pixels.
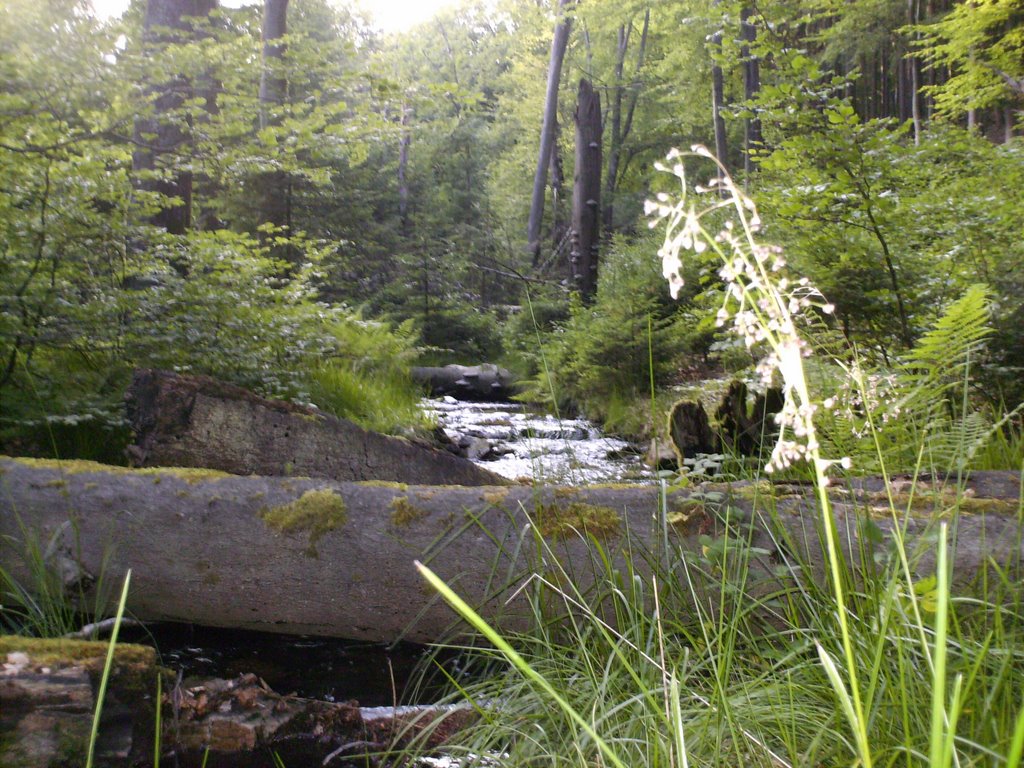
[
  {"x": 586, "y": 198},
  {"x": 558, "y": 226},
  {"x": 559, "y": 42},
  {"x": 751, "y": 87},
  {"x": 159, "y": 137},
  {"x": 305, "y": 556},
  {"x": 195, "y": 421},
  {"x": 273, "y": 83},
  {"x": 403, "y": 170}
]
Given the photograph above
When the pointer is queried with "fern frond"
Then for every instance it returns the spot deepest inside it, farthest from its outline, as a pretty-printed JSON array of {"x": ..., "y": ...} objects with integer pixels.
[
  {"x": 953, "y": 443},
  {"x": 941, "y": 357}
]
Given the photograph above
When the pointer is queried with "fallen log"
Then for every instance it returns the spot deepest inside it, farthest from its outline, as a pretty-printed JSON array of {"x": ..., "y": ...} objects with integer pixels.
[
  {"x": 196, "y": 421},
  {"x": 312, "y": 556},
  {"x": 486, "y": 382}
]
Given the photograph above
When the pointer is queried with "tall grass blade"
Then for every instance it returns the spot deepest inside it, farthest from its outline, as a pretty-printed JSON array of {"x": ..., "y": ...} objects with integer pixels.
[
  {"x": 466, "y": 612},
  {"x": 106, "y": 671},
  {"x": 937, "y": 752}
]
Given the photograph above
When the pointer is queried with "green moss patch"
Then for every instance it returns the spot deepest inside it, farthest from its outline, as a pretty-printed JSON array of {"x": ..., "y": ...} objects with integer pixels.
[
  {"x": 54, "y": 652},
  {"x": 404, "y": 512},
  {"x": 316, "y": 511},
  {"x": 687, "y": 516},
  {"x": 82, "y": 466},
  {"x": 495, "y": 497},
  {"x": 563, "y": 520}
]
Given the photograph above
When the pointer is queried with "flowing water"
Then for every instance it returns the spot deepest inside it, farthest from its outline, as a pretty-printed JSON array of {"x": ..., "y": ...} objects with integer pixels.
[{"x": 516, "y": 443}]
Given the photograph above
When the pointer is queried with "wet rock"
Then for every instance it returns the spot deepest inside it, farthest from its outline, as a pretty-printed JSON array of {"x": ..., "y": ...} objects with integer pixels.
[{"x": 475, "y": 448}]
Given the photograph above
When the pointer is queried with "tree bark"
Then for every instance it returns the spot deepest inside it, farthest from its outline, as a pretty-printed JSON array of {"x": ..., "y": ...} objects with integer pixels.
[
  {"x": 159, "y": 136},
  {"x": 586, "y": 197},
  {"x": 195, "y": 421},
  {"x": 306, "y": 556},
  {"x": 559, "y": 42},
  {"x": 273, "y": 83},
  {"x": 403, "y": 169},
  {"x": 274, "y": 187}
]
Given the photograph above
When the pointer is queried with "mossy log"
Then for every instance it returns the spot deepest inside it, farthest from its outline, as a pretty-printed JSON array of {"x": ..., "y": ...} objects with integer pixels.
[
  {"x": 196, "y": 421},
  {"x": 312, "y": 556}
]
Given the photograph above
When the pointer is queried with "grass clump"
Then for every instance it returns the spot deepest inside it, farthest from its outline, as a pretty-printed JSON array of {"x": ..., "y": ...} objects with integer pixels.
[{"x": 316, "y": 511}]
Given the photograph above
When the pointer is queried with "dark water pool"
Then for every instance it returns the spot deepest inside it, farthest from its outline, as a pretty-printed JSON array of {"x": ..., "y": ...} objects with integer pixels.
[{"x": 312, "y": 667}]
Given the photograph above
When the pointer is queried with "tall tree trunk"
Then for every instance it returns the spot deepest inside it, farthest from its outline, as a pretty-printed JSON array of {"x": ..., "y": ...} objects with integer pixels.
[
  {"x": 622, "y": 119},
  {"x": 557, "y": 184},
  {"x": 914, "y": 11},
  {"x": 403, "y": 168},
  {"x": 586, "y": 198},
  {"x": 274, "y": 188},
  {"x": 718, "y": 99},
  {"x": 751, "y": 87},
  {"x": 559, "y": 42},
  {"x": 159, "y": 137},
  {"x": 273, "y": 83}
]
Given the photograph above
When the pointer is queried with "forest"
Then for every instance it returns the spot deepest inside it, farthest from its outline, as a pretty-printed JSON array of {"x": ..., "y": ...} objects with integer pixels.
[
  {"x": 631, "y": 206},
  {"x": 295, "y": 203}
]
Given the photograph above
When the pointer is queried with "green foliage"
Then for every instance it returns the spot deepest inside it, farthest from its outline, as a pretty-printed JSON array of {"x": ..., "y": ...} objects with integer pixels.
[
  {"x": 982, "y": 42},
  {"x": 459, "y": 335},
  {"x": 366, "y": 376},
  {"x": 601, "y": 355}
]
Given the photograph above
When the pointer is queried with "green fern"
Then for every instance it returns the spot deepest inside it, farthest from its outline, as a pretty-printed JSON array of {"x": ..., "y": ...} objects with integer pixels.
[
  {"x": 941, "y": 359},
  {"x": 924, "y": 412},
  {"x": 935, "y": 376}
]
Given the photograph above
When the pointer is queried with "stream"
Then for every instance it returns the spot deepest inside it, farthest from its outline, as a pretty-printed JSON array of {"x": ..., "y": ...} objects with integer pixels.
[{"x": 514, "y": 442}]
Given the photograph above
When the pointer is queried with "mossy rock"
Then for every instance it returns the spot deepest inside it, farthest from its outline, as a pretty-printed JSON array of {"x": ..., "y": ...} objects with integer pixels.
[{"x": 49, "y": 696}]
